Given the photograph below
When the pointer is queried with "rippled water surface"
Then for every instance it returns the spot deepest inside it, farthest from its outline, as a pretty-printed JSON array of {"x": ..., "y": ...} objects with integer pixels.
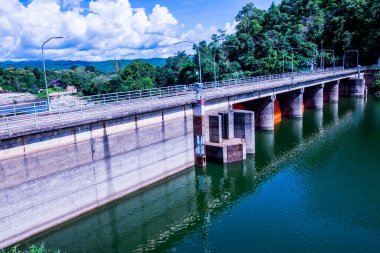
[{"x": 313, "y": 186}]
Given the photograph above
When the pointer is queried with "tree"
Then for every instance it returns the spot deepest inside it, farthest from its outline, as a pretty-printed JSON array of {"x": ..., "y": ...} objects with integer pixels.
[{"x": 139, "y": 75}]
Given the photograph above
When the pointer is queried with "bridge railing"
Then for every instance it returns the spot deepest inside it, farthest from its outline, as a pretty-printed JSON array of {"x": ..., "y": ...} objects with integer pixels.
[
  {"x": 25, "y": 122},
  {"x": 20, "y": 117}
]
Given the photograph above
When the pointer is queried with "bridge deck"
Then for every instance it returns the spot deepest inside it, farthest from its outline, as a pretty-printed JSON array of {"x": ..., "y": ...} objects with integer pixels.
[{"x": 42, "y": 121}]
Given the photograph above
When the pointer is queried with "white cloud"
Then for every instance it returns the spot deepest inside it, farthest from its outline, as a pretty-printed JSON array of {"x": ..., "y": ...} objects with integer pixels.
[
  {"x": 231, "y": 28},
  {"x": 110, "y": 29}
]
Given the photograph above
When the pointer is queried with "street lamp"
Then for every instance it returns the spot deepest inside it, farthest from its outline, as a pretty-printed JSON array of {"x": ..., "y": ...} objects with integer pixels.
[
  {"x": 292, "y": 49},
  {"x": 43, "y": 64},
  {"x": 351, "y": 51},
  {"x": 333, "y": 51},
  {"x": 199, "y": 57}
]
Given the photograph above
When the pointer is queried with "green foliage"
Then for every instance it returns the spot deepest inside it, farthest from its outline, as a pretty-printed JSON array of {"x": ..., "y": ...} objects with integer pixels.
[
  {"x": 31, "y": 249},
  {"x": 138, "y": 75},
  {"x": 376, "y": 82}
]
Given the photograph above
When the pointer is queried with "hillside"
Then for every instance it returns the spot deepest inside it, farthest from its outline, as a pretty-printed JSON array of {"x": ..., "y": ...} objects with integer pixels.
[{"x": 102, "y": 66}]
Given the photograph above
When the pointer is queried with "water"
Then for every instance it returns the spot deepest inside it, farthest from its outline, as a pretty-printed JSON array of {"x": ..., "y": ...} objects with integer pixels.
[{"x": 313, "y": 186}]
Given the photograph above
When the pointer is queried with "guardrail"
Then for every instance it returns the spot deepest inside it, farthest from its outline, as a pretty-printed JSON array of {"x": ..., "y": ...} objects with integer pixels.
[{"x": 23, "y": 117}]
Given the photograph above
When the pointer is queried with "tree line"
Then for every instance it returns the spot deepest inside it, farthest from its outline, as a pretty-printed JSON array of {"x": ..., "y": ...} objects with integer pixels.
[{"x": 262, "y": 44}]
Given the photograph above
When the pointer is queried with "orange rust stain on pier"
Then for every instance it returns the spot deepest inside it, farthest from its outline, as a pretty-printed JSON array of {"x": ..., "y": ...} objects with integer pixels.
[{"x": 277, "y": 112}]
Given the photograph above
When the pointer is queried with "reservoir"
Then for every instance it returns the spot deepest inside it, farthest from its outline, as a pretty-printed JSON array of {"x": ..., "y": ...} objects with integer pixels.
[{"x": 313, "y": 186}]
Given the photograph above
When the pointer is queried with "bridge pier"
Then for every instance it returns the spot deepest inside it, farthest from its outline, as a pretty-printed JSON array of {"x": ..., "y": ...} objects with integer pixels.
[
  {"x": 331, "y": 92},
  {"x": 313, "y": 97},
  {"x": 291, "y": 104},
  {"x": 353, "y": 88},
  {"x": 264, "y": 113},
  {"x": 244, "y": 127}
]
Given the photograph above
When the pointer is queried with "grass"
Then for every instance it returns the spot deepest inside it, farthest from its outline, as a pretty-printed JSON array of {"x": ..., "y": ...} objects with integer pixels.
[{"x": 31, "y": 249}]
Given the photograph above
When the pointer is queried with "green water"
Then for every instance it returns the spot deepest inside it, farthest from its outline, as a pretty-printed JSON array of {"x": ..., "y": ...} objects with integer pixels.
[{"x": 313, "y": 186}]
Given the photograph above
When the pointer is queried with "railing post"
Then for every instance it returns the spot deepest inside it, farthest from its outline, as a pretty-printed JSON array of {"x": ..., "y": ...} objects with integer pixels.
[
  {"x": 9, "y": 131},
  {"x": 14, "y": 109},
  {"x": 59, "y": 113},
  {"x": 35, "y": 114},
  {"x": 117, "y": 97},
  {"x": 35, "y": 119},
  {"x": 104, "y": 99},
  {"x": 81, "y": 113}
]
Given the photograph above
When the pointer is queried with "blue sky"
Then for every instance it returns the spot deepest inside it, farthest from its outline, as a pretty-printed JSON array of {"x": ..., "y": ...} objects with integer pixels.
[{"x": 108, "y": 29}]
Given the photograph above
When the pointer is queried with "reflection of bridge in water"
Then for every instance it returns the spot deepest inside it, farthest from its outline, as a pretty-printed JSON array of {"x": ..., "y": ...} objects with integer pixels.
[{"x": 160, "y": 217}]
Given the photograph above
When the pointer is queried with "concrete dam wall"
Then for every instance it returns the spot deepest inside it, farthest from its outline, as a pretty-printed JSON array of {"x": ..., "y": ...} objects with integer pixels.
[{"x": 50, "y": 177}]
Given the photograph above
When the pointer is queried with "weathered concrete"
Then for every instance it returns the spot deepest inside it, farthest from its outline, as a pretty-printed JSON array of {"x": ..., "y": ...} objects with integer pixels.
[
  {"x": 215, "y": 124},
  {"x": 331, "y": 92},
  {"x": 313, "y": 97},
  {"x": 228, "y": 151},
  {"x": 264, "y": 114},
  {"x": 291, "y": 104},
  {"x": 244, "y": 127},
  {"x": 353, "y": 88},
  {"x": 227, "y": 125},
  {"x": 57, "y": 175}
]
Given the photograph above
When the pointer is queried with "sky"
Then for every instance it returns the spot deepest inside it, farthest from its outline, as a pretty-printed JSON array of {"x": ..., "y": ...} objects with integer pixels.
[{"x": 95, "y": 30}]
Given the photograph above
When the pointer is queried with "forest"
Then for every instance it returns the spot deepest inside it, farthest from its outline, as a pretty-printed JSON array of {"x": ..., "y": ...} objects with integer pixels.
[{"x": 263, "y": 44}]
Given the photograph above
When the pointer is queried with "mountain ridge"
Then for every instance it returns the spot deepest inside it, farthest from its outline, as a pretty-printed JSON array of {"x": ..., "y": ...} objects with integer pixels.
[{"x": 102, "y": 66}]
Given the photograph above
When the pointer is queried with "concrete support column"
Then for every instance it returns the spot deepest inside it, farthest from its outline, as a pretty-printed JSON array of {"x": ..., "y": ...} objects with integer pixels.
[
  {"x": 244, "y": 127},
  {"x": 331, "y": 92},
  {"x": 264, "y": 114},
  {"x": 215, "y": 128},
  {"x": 313, "y": 97},
  {"x": 227, "y": 125},
  {"x": 291, "y": 104},
  {"x": 353, "y": 88}
]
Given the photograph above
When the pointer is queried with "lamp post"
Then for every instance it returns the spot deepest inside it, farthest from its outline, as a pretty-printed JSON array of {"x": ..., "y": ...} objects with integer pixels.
[
  {"x": 333, "y": 51},
  {"x": 292, "y": 49},
  {"x": 199, "y": 57},
  {"x": 43, "y": 64},
  {"x": 351, "y": 51}
]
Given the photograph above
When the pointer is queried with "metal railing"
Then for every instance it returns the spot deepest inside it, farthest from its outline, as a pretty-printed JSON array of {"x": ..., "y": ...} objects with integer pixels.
[{"x": 29, "y": 116}]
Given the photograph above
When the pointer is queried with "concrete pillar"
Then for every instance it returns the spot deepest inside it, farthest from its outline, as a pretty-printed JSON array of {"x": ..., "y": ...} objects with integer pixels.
[
  {"x": 313, "y": 97},
  {"x": 244, "y": 127},
  {"x": 264, "y": 114},
  {"x": 331, "y": 92},
  {"x": 291, "y": 104},
  {"x": 227, "y": 125},
  {"x": 353, "y": 88},
  {"x": 215, "y": 128}
]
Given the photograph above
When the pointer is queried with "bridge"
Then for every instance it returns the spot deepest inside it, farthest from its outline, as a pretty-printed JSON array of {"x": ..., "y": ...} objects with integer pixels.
[
  {"x": 83, "y": 153},
  {"x": 25, "y": 117}
]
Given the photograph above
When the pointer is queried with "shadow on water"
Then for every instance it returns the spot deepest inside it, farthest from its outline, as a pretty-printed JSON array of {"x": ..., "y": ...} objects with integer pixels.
[{"x": 170, "y": 214}]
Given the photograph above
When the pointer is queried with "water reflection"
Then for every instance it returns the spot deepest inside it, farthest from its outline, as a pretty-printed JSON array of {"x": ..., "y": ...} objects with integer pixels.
[
  {"x": 264, "y": 141},
  {"x": 313, "y": 120},
  {"x": 287, "y": 134},
  {"x": 330, "y": 112}
]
